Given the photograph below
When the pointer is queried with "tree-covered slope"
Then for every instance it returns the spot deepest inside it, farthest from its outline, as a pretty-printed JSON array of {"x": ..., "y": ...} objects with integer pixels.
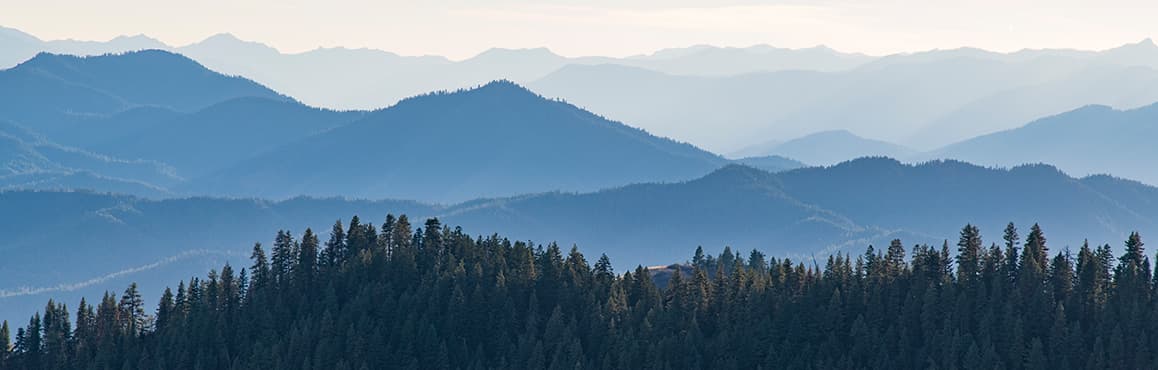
[{"x": 423, "y": 295}]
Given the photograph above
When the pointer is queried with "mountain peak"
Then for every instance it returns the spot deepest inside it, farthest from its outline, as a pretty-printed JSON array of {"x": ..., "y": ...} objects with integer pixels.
[
  {"x": 146, "y": 77},
  {"x": 138, "y": 39},
  {"x": 228, "y": 43},
  {"x": 503, "y": 89},
  {"x": 736, "y": 170},
  {"x": 223, "y": 37},
  {"x": 503, "y": 54},
  {"x": 18, "y": 35},
  {"x": 1145, "y": 45},
  {"x": 503, "y": 85},
  {"x": 835, "y": 133}
]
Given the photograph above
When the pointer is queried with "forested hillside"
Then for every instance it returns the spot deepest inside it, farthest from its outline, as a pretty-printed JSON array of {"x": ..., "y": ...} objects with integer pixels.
[
  {"x": 801, "y": 214},
  {"x": 431, "y": 297}
]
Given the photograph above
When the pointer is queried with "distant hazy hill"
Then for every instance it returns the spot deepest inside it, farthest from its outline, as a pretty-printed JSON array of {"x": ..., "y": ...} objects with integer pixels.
[
  {"x": 368, "y": 79},
  {"x": 149, "y": 107},
  {"x": 220, "y": 135},
  {"x": 923, "y": 100},
  {"x": 17, "y": 46},
  {"x": 652, "y": 223},
  {"x": 934, "y": 198},
  {"x": 49, "y": 91},
  {"x": 811, "y": 210},
  {"x": 832, "y": 147},
  {"x": 799, "y": 213},
  {"x": 708, "y": 60},
  {"x": 721, "y": 114},
  {"x": 225, "y": 133},
  {"x": 1090, "y": 140},
  {"x": 496, "y": 140},
  {"x": 29, "y": 161}
]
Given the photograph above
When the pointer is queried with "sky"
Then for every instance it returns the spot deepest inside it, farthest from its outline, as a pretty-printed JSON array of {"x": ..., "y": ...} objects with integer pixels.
[{"x": 462, "y": 28}]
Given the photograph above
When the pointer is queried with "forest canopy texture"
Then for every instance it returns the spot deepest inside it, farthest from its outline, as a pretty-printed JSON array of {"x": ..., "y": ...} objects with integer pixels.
[{"x": 431, "y": 297}]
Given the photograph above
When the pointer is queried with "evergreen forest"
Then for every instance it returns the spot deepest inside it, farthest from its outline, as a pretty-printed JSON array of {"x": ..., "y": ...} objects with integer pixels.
[{"x": 428, "y": 296}]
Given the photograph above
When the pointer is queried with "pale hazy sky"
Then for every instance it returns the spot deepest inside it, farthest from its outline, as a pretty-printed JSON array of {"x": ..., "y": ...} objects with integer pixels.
[{"x": 462, "y": 28}]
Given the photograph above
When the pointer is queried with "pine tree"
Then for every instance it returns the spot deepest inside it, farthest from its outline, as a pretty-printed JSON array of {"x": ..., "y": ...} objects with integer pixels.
[
  {"x": 969, "y": 254},
  {"x": 132, "y": 309},
  {"x": 895, "y": 259},
  {"x": 5, "y": 344},
  {"x": 331, "y": 255},
  {"x": 262, "y": 276},
  {"x": 1012, "y": 254},
  {"x": 307, "y": 265},
  {"x": 165, "y": 310}
]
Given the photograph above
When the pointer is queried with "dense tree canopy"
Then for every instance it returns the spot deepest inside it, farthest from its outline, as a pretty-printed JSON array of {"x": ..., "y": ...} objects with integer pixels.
[{"x": 436, "y": 298}]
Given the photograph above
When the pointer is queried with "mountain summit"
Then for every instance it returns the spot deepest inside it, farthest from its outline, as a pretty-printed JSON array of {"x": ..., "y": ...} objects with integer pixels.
[
  {"x": 49, "y": 90},
  {"x": 495, "y": 140}
]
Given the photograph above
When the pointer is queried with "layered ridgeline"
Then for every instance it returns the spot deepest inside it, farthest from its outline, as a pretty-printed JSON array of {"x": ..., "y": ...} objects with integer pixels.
[
  {"x": 29, "y": 161},
  {"x": 1060, "y": 140},
  {"x": 152, "y": 106},
  {"x": 1063, "y": 140},
  {"x": 51, "y": 90},
  {"x": 366, "y": 79},
  {"x": 920, "y": 100},
  {"x": 227, "y": 136},
  {"x": 496, "y": 140},
  {"x": 723, "y": 99},
  {"x": 803, "y": 213},
  {"x": 427, "y": 296},
  {"x": 827, "y": 148},
  {"x": 190, "y": 131}
]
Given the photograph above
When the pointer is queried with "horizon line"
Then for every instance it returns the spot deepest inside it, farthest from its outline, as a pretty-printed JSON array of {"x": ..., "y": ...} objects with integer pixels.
[{"x": 230, "y": 35}]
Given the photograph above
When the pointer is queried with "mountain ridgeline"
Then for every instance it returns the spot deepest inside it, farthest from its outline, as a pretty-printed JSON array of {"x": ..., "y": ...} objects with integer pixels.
[
  {"x": 57, "y": 87},
  {"x": 723, "y": 99},
  {"x": 427, "y": 296},
  {"x": 462, "y": 145},
  {"x": 1063, "y": 140},
  {"x": 227, "y": 136},
  {"x": 801, "y": 214}
]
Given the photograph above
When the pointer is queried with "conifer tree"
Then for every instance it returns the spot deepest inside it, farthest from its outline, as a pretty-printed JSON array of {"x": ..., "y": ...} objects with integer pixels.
[
  {"x": 969, "y": 254},
  {"x": 5, "y": 344}
]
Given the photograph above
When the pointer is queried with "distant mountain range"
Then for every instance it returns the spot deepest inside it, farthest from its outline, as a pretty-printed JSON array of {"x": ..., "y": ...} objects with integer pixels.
[
  {"x": 49, "y": 92},
  {"x": 799, "y": 213},
  {"x": 369, "y": 79},
  {"x": 227, "y": 136},
  {"x": 189, "y": 130},
  {"x": 922, "y": 101},
  {"x": 1091, "y": 140},
  {"x": 827, "y": 148},
  {"x": 497, "y": 140},
  {"x": 29, "y": 161},
  {"x": 722, "y": 99}
]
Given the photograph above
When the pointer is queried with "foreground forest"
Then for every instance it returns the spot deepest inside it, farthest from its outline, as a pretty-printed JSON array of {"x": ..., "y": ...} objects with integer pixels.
[{"x": 428, "y": 296}]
